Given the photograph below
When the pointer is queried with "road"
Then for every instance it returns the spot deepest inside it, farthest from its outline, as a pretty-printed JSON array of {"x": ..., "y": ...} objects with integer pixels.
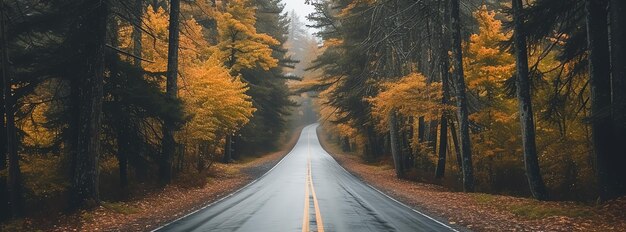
[{"x": 307, "y": 191}]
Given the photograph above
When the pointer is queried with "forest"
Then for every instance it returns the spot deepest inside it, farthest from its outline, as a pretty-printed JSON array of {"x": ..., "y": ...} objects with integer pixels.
[
  {"x": 522, "y": 98},
  {"x": 103, "y": 100}
]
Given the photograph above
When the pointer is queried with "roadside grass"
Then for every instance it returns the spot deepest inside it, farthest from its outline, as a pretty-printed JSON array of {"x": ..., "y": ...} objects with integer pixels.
[
  {"x": 537, "y": 210},
  {"x": 120, "y": 207},
  {"x": 531, "y": 209},
  {"x": 484, "y": 198}
]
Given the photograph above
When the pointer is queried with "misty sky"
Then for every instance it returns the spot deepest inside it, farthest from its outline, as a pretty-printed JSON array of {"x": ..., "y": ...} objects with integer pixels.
[{"x": 301, "y": 9}]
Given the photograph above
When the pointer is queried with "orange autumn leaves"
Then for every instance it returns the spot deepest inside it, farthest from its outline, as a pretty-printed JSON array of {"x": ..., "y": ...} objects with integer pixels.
[
  {"x": 213, "y": 95},
  {"x": 241, "y": 45},
  {"x": 410, "y": 95}
]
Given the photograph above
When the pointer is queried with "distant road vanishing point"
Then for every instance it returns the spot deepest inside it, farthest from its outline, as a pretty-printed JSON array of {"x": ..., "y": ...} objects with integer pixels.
[{"x": 307, "y": 191}]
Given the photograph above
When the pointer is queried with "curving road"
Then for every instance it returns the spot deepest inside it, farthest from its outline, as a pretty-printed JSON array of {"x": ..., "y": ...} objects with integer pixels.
[{"x": 307, "y": 191}]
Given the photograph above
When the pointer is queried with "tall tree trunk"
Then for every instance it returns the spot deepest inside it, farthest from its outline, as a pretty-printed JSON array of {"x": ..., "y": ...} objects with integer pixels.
[
  {"x": 345, "y": 144},
  {"x": 455, "y": 143},
  {"x": 14, "y": 187},
  {"x": 169, "y": 144},
  {"x": 123, "y": 151},
  {"x": 123, "y": 132},
  {"x": 444, "y": 68},
  {"x": 537, "y": 187},
  {"x": 136, "y": 34},
  {"x": 372, "y": 148},
  {"x": 228, "y": 149},
  {"x": 396, "y": 150},
  {"x": 618, "y": 63},
  {"x": 421, "y": 129},
  {"x": 90, "y": 95},
  {"x": 4, "y": 194},
  {"x": 600, "y": 82},
  {"x": 461, "y": 98},
  {"x": 432, "y": 134}
]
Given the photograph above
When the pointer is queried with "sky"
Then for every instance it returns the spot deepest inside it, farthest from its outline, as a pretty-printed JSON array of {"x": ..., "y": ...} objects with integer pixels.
[{"x": 301, "y": 9}]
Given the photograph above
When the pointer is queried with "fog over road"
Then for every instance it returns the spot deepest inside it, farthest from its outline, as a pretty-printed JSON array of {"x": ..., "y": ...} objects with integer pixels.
[{"x": 307, "y": 191}]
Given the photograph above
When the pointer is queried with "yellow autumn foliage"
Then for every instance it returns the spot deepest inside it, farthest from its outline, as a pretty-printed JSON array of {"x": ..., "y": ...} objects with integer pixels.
[
  {"x": 215, "y": 100},
  {"x": 411, "y": 95},
  {"x": 241, "y": 45},
  {"x": 38, "y": 103},
  {"x": 330, "y": 114},
  {"x": 487, "y": 67},
  {"x": 345, "y": 11}
]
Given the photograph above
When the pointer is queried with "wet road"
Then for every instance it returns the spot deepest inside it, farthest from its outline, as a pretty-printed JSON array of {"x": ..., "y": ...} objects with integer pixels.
[{"x": 307, "y": 191}]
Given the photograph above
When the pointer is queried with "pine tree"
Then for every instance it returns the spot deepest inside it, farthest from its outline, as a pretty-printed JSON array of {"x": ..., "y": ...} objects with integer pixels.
[
  {"x": 169, "y": 144},
  {"x": 461, "y": 98},
  {"x": 535, "y": 181},
  {"x": 88, "y": 97}
]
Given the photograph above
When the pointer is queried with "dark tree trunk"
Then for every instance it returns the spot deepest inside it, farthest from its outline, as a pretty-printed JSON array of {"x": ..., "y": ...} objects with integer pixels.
[
  {"x": 14, "y": 179},
  {"x": 122, "y": 159},
  {"x": 444, "y": 68},
  {"x": 455, "y": 143},
  {"x": 618, "y": 62},
  {"x": 535, "y": 181},
  {"x": 203, "y": 154},
  {"x": 461, "y": 98},
  {"x": 443, "y": 144},
  {"x": 90, "y": 95},
  {"x": 123, "y": 151},
  {"x": 372, "y": 147},
  {"x": 136, "y": 34},
  {"x": 432, "y": 134},
  {"x": 421, "y": 129},
  {"x": 228, "y": 149},
  {"x": 4, "y": 194},
  {"x": 396, "y": 150},
  {"x": 600, "y": 82},
  {"x": 123, "y": 129},
  {"x": 345, "y": 144},
  {"x": 169, "y": 144},
  {"x": 443, "y": 148}
]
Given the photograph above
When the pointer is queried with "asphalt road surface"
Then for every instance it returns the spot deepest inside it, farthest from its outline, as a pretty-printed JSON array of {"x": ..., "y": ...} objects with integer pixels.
[{"x": 307, "y": 191}]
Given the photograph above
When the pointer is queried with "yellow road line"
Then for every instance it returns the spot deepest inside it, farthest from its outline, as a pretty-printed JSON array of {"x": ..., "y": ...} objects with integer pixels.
[
  {"x": 318, "y": 215},
  {"x": 305, "y": 217},
  {"x": 307, "y": 194}
]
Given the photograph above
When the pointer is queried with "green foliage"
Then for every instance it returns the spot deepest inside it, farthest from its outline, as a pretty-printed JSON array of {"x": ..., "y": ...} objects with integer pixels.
[{"x": 540, "y": 211}]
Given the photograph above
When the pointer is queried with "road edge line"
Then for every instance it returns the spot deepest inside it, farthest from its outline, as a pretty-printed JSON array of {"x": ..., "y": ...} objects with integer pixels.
[{"x": 233, "y": 193}]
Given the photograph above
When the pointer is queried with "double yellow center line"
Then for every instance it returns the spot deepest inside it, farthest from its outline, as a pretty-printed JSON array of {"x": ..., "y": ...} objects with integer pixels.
[{"x": 309, "y": 191}]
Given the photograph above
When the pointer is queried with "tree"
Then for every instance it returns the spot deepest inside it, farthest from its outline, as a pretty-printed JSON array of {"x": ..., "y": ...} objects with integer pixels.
[
  {"x": 88, "y": 103},
  {"x": 461, "y": 98},
  {"x": 537, "y": 187},
  {"x": 600, "y": 80},
  {"x": 243, "y": 47},
  {"x": 216, "y": 101},
  {"x": 444, "y": 68},
  {"x": 618, "y": 82},
  {"x": 165, "y": 168},
  {"x": 410, "y": 95},
  {"x": 268, "y": 88},
  {"x": 14, "y": 187}
]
